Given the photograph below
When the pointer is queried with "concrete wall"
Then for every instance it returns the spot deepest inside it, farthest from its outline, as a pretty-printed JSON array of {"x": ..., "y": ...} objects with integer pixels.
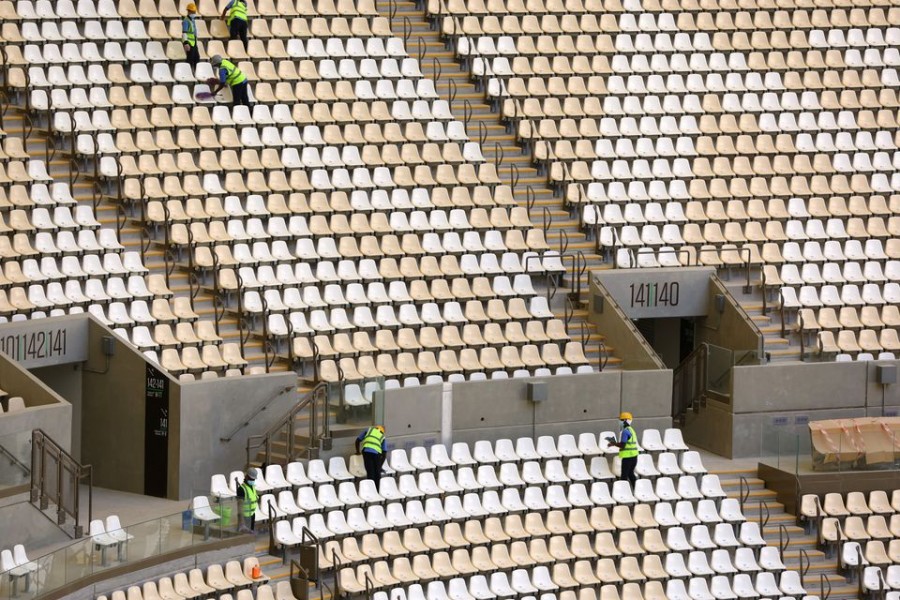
[
  {"x": 620, "y": 331},
  {"x": 66, "y": 381},
  {"x": 412, "y": 416},
  {"x": 45, "y": 410},
  {"x": 493, "y": 410},
  {"x": 113, "y": 396},
  {"x": 732, "y": 328},
  {"x": 209, "y": 410},
  {"x": 778, "y": 400}
]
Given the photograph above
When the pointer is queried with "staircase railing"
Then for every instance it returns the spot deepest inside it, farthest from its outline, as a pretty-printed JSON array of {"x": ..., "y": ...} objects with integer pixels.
[
  {"x": 824, "y": 593},
  {"x": 689, "y": 381},
  {"x": 14, "y": 460},
  {"x": 784, "y": 539},
  {"x": 743, "y": 491},
  {"x": 255, "y": 412},
  {"x": 805, "y": 562},
  {"x": 602, "y": 356},
  {"x": 57, "y": 477},
  {"x": 315, "y": 404}
]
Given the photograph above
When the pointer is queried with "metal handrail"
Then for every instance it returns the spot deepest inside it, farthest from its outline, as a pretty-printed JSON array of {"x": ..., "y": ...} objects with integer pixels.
[
  {"x": 823, "y": 594},
  {"x": 256, "y": 411},
  {"x": 805, "y": 562},
  {"x": 14, "y": 459},
  {"x": 784, "y": 539},
  {"x": 603, "y": 357},
  {"x": 316, "y": 400},
  {"x": 781, "y": 310},
  {"x": 743, "y": 491},
  {"x": 43, "y": 445}
]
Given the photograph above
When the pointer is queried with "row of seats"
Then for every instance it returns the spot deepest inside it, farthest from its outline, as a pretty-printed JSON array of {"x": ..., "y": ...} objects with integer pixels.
[
  {"x": 831, "y": 272},
  {"x": 866, "y": 341},
  {"x": 475, "y": 499},
  {"x": 505, "y": 544},
  {"x": 738, "y": 233},
  {"x": 218, "y": 581},
  {"x": 636, "y": 18},
  {"x": 798, "y": 55},
  {"x": 438, "y": 456},
  {"x": 193, "y": 359},
  {"x": 585, "y": 572},
  {"x": 839, "y": 505},
  {"x": 127, "y": 9},
  {"x": 482, "y": 587},
  {"x": 873, "y": 552},
  {"x": 481, "y": 198},
  {"x": 847, "y": 294},
  {"x": 385, "y": 269},
  {"x": 450, "y": 362},
  {"x": 267, "y": 226},
  {"x": 849, "y": 317},
  {"x": 212, "y": 30}
]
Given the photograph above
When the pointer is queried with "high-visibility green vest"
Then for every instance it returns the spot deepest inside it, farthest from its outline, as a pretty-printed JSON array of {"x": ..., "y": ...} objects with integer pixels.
[
  {"x": 238, "y": 11},
  {"x": 233, "y": 75},
  {"x": 373, "y": 440},
  {"x": 190, "y": 36},
  {"x": 631, "y": 446},
  {"x": 251, "y": 500}
]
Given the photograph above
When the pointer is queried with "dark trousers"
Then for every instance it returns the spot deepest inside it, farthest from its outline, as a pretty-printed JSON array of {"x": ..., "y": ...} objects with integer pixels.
[
  {"x": 240, "y": 95},
  {"x": 193, "y": 57},
  {"x": 238, "y": 31},
  {"x": 373, "y": 464},
  {"x": 628, "y": 465}
]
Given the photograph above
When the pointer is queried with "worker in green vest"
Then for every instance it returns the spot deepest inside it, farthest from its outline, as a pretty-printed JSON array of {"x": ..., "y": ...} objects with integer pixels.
[
  {"x": 248, "y": 500},
  {"x": 235, "y": 17},
  {"x": 628, "y": 448},
  {"x": 229, "y": 74},
  {"x": 189, "y": 36},
  {"x": 372, "y": 444}
]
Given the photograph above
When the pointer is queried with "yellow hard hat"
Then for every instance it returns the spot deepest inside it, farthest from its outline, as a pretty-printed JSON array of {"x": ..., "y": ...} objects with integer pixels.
[
  {"x": 625, "y": 416},
  {"x": 380, "y": 428},
  {"x": 191, "y": 7}
]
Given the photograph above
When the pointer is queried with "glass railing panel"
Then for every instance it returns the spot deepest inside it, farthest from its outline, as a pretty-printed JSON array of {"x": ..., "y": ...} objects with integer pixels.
[
  {"x": 15, "y": 459},
  {"x": 719, "y": 362},
  {"x": 359, "y": 403},
  {"x": 89, "y": 556}
]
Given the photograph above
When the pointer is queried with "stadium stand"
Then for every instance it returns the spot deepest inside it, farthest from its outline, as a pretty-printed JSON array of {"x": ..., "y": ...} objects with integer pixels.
[
  {"x": 347, "y": 199},
  {"x": 715, "y": 135},
  {"x": 360, "y": 233}
]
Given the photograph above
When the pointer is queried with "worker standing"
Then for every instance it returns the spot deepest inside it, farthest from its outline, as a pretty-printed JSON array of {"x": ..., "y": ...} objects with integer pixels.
[
  {"x": 229, "y": 74},
  {"x": 628, "y": 448},
  {"x": 235, "y": 17},
  {"x": 374, "y": 449},
  {"x": 189, "y": 36},
  {"x": 248, "y": 500}
]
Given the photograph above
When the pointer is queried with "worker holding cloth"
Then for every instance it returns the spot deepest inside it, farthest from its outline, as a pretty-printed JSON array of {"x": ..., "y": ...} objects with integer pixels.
[{"x": 229, "y": 74}]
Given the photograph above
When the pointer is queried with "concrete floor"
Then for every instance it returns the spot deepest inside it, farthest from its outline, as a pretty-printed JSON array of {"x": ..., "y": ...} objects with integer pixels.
[{"x": 22, "y": 523}]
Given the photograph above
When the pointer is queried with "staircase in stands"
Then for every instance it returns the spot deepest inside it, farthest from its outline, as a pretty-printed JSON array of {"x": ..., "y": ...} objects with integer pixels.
[
  {"x": 780, "y": 346},
  {"x": 562, "y": 230},
  {"x": 821, "y": 577},
  {"x": 60, "y": 167}
]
